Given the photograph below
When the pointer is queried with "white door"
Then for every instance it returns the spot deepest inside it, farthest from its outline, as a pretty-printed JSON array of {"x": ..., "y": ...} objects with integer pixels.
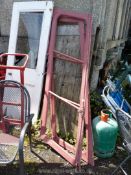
[{"x": 29, "y": 33}]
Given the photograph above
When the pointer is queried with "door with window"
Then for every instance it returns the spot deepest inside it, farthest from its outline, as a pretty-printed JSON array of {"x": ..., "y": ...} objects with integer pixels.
[{"x": 29, "y": 33}]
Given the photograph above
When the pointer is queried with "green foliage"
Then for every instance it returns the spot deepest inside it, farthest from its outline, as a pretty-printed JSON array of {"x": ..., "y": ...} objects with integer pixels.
[
  {"x": 67, "y": 137},
  {"x": 96, "y": 103},
  {"x": 70, "y": 139},
  {"x": 126, "y": 91},
  {"x": 84, "y": 144},
  {"x": 36, "y": 129}
]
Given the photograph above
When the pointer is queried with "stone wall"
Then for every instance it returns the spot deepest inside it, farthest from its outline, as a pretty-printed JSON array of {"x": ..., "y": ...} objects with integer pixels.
[{"x": 112, "y": 17}]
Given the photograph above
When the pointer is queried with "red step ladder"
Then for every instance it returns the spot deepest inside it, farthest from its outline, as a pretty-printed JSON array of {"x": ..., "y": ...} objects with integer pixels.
[
  {"x": 4, "y": 71},
  {"x": 4, "y": 67},
  {"x": 83, "y": 107}
]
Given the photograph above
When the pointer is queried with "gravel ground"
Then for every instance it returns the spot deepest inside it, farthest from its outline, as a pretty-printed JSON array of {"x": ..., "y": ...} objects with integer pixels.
[{"x": 53, "y": 164}]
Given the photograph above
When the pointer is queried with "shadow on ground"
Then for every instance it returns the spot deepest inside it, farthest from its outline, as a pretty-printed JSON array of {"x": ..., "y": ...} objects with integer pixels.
[{"x": 52, "y": 164}]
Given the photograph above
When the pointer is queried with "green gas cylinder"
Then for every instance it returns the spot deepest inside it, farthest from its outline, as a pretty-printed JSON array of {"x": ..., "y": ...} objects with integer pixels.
[{"x": 105, "y": 130}]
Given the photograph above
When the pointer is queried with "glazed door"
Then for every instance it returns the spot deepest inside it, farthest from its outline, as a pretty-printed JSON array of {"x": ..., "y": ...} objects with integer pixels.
[{"x": 30, "y": 27}]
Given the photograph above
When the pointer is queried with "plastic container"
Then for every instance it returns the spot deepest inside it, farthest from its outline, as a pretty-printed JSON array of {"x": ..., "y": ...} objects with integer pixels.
[{"x": 105, "y": 130}]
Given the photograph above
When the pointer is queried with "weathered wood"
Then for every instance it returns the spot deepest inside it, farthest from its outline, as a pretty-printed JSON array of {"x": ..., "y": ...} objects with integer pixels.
[{"x": 67, "y": 77}]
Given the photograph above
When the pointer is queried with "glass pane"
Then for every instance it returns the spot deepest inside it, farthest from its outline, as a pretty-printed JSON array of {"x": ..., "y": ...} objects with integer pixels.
[{"x": 29, "y": 31}]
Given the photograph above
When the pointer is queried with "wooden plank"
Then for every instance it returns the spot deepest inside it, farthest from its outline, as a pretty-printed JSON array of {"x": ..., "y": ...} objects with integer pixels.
[{"x": 67, "y": 77}]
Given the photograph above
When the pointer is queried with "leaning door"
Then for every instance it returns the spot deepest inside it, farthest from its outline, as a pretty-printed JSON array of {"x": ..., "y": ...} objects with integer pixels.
[{"x": 30, "y": 27}]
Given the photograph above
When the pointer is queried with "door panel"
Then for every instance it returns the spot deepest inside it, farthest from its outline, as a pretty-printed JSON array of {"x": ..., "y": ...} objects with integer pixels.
[{"x": 29, "y": 33}]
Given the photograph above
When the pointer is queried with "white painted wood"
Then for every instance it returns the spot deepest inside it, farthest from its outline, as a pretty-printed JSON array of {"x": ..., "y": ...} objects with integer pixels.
[{"x": 33, "y": 77}]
